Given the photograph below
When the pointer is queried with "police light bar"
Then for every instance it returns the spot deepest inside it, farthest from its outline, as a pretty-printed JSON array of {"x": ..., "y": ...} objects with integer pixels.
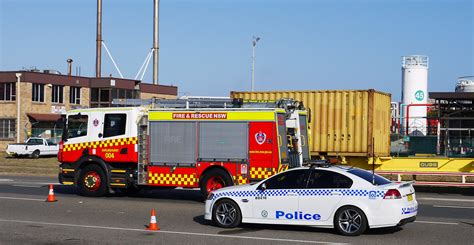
[{"x": 318, "y": 164}]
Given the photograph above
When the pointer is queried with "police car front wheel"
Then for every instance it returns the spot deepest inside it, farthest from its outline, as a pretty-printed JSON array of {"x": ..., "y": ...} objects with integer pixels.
[
  {"x": 350, "y": 221},
  {"x": 226, "y": 213}
]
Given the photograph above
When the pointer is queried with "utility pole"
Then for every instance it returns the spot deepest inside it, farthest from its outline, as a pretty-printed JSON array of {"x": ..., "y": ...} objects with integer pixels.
[
  {"x": 98, "y": 46},
  {"x": 156, "y": 4},
  {"x": 254, "y": 43}
]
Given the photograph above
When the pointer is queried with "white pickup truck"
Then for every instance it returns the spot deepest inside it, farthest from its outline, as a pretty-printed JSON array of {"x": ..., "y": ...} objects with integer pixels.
[{"x": 33, "y": 147}]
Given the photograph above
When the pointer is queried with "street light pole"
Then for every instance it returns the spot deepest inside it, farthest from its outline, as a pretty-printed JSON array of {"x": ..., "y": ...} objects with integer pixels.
[
  {"x": 254, "y": 43},
  {"x": 18, "y": 103}
]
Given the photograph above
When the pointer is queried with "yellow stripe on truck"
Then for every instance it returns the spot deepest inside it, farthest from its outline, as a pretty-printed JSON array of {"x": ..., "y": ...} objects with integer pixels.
[
  {"x": 118, "y": 171},
  {"x": 101, "y": 144},
  {"x": 211, "y": 115},
  {"x": 117, "y": 184}
]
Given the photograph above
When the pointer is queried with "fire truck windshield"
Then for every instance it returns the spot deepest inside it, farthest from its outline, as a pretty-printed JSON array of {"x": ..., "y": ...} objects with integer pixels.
[{"x": 76, "y": 126}]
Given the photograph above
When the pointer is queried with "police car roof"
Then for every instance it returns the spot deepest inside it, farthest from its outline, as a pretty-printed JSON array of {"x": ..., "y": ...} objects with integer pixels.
[{"x": 333, "y": 167}]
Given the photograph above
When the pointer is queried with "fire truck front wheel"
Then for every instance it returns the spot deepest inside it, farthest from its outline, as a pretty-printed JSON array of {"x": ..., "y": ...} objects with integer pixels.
[
  {"x": 92, "y": 181},
  {"x": 214, "y": 179}
]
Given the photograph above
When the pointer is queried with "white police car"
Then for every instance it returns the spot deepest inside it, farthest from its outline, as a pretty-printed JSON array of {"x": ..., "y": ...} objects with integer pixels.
[{"x": 347, "y": 199}]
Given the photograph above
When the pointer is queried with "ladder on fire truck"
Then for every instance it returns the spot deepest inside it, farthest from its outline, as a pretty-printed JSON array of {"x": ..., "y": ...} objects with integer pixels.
[
  {"x": 142, "y": 149},
  {"x": 211, "y": 103},
  {"x": 289, "y": 105}
]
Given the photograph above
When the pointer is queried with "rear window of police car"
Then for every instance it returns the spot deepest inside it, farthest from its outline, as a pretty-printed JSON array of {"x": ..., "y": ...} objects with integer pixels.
[{"x": 368, "y": 176}]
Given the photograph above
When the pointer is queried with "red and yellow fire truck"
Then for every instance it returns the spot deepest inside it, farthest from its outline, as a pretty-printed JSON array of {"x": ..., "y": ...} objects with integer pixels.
[{"x": 206, "y": 144}]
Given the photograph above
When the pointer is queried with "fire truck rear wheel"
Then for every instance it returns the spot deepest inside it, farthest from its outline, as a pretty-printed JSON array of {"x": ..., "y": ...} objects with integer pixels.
[
  {"x": 92, "y": 181},
  {"x": 214, "y": 179}
]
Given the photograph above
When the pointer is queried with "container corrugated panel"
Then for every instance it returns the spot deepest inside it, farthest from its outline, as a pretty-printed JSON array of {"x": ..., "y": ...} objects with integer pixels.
[{"x": 343, "y": 122}]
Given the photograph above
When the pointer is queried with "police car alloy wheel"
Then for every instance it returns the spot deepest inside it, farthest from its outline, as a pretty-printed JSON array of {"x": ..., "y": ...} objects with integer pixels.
[
  {"x": 350, "y": 221},
  {"x": 226, "y": 214}
]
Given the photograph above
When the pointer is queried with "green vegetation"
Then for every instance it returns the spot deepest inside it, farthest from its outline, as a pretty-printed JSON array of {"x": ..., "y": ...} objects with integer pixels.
[{"x": 43, "y": 166}]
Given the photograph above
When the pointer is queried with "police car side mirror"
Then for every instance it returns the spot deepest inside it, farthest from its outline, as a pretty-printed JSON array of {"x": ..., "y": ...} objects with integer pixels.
[{"x": 263, "y": 187}]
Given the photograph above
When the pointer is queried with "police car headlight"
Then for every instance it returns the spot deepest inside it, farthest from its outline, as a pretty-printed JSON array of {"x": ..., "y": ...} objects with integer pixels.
[{"x": 210, "y": 196}]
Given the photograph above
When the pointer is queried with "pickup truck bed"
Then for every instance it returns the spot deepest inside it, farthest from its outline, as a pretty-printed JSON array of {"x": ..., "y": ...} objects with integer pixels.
[{"x": 33, "y": 147}]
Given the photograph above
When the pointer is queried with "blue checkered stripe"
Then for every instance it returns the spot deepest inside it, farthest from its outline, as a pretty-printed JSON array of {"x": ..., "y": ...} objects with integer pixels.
[
  {"x": 409, "y": 210},
  {"x": 314, "y": 192},
  {"x": 362, "y": 193},
  {"x": 301, "y": 192}
]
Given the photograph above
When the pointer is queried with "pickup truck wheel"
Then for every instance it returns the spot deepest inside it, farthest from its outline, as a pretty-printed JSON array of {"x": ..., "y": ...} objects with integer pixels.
[
  {"x": 92, "y": 181},
  {"x": 35, "y": 154}
]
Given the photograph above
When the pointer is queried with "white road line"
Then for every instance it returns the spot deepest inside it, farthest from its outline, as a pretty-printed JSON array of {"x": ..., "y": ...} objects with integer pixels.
[
  {"x": 443, "y": 206},
  {"x": 35, "y": 183},
  {"x": 24, "y": 199},
  {"x": 435, "y": 222},
  {"x": 444, "y": 199},
  {"x": 33, "y": 186},
  {"x": 169, "y": 232},
  {"x": 5, "y": 180}
]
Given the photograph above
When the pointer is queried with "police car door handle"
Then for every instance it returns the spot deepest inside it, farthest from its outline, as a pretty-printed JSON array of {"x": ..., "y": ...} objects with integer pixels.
[{"x": 336, "y": 193}]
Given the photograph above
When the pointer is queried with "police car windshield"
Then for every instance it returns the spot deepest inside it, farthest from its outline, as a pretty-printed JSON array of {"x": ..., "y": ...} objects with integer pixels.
[{"x": 366, "y": 175}]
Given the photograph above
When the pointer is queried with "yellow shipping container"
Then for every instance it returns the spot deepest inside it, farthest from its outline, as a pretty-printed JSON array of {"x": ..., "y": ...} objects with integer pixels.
[{"x": 343, "y": 122}]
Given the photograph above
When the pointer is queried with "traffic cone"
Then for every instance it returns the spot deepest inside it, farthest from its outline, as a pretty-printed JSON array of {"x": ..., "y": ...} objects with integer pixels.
[
  {"x": 51, "y": 197},
  {"x": 153, "y": 225}
]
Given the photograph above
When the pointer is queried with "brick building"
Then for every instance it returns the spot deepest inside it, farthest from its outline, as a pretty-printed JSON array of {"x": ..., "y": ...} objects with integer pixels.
[{"x": 43, "y": 97}]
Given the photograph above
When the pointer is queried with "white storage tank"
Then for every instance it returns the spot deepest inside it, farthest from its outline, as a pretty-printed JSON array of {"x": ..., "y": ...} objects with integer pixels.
[
  {"x": 465, "y": 84},
  {"x": 415, "y": 91}
]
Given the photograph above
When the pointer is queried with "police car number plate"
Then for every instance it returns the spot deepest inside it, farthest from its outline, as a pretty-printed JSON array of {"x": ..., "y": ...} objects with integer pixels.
[{"x": 410, "y": 197}]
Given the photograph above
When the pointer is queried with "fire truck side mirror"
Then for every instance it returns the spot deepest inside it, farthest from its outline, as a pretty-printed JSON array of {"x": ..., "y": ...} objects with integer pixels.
[{"x": 100, "y": 135}]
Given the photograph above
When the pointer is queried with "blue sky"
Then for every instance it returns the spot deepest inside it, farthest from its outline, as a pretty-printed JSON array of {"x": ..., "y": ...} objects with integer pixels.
[{"x": 205, "y": 46}]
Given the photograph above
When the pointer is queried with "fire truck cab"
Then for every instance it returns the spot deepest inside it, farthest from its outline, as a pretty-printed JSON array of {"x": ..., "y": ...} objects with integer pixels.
[{"x": 126, "y": 148}]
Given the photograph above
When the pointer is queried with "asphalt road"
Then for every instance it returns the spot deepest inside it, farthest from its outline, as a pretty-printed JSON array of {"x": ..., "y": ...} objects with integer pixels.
[{"x": 26, "y": 219}]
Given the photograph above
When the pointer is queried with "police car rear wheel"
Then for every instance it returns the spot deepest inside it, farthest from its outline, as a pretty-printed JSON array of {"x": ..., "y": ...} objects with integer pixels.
[
  {"x": 226, "y": 214},
  {"x": 350, "y": 221}
]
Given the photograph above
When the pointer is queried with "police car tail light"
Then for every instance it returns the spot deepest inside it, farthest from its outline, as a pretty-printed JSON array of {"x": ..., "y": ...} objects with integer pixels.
[{"x": 392, "y": 194}]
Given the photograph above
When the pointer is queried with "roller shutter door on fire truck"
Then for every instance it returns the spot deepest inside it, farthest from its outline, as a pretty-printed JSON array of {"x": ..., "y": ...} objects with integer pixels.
[
  {"x": 223, "y": 141},
  {"x": 189, "y": 142},
  {"x": 173, "y": 142}
]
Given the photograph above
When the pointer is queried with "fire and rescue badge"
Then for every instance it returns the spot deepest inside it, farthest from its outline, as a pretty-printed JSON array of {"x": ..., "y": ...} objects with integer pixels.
[
  {"x": 260, "y": 137},
  {"x": 95, "y": 122}
]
